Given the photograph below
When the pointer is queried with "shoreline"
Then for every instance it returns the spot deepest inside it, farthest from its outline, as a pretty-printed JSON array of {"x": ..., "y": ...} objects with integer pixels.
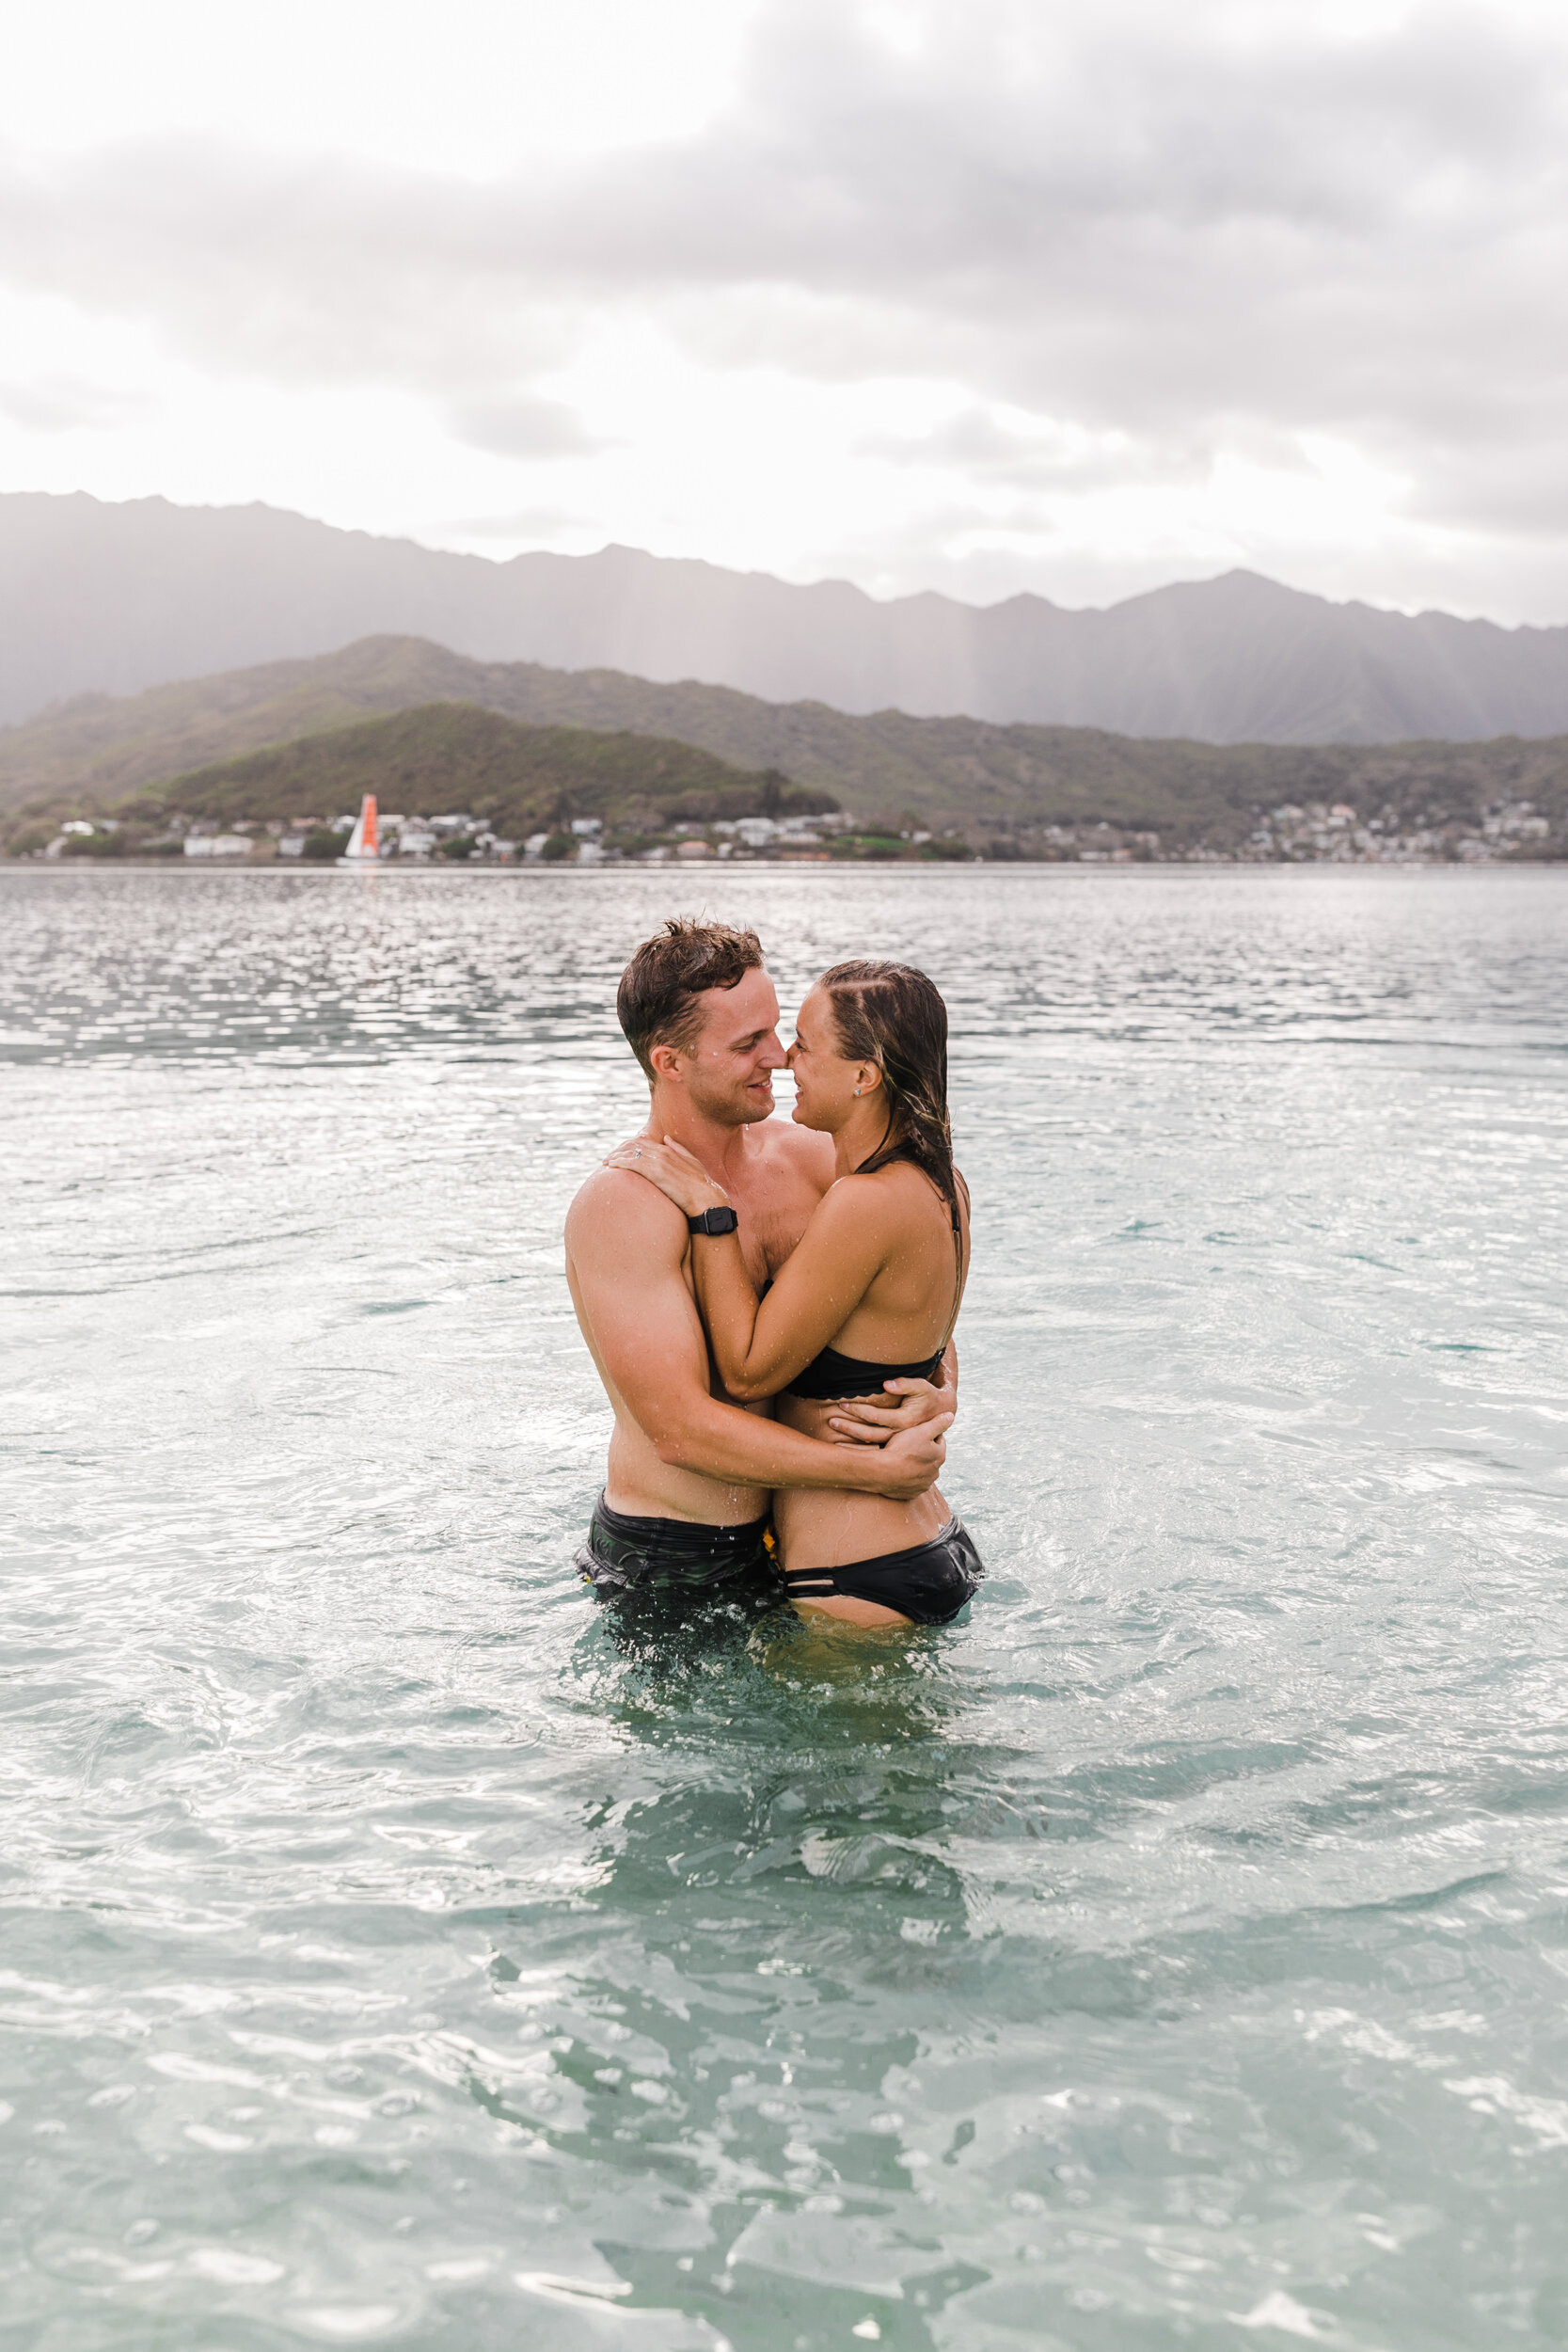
[{"x": 471, "y": 868}]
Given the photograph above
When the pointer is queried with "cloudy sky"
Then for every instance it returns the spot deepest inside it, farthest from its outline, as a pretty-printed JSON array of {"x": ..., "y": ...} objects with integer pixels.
[{"x": 1075, "y": 295}]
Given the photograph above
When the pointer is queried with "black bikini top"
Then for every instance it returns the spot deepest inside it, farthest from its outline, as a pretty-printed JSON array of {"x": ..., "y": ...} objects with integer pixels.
[{"x": 831, "y": 1374}]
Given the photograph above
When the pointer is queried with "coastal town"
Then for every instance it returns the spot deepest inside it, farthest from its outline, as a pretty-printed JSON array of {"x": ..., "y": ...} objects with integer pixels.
[
  {"x": 458, "y": 837},
  {"x": 1315, "y": 833}
]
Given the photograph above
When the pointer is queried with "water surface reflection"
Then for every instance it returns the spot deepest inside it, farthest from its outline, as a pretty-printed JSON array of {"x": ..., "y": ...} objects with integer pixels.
[{"x": 398, "y": 1950}]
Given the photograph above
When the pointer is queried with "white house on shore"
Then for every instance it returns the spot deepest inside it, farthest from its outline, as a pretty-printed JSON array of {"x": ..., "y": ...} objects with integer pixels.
[{"x": 218, "y": 845}]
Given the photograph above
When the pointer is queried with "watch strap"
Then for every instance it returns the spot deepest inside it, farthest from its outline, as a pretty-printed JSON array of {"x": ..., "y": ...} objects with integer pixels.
[{"x": 713, "y": 1221}]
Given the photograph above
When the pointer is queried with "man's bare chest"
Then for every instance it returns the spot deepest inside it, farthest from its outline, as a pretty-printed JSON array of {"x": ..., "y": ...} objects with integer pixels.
[{"x": 774, "y": 1207}]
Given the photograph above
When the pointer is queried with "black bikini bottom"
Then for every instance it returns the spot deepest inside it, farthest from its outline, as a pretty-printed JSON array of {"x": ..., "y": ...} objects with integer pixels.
[
  {"x": 625, "y": 1555},
  {"x": 929, "y": 1583}
]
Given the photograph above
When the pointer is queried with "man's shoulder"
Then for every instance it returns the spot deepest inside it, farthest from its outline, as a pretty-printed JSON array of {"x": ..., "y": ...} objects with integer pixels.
[
  {"x": 613, "y": 1204},
  {"x": 793, "y": 1147}
]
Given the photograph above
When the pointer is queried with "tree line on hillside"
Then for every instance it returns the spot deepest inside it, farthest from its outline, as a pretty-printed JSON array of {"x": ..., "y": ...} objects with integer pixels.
[{"x": 1023, "y": 791}]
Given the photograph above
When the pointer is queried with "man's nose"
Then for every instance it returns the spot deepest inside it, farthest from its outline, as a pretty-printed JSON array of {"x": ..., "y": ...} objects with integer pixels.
[{"x": 772, "y": 1056}]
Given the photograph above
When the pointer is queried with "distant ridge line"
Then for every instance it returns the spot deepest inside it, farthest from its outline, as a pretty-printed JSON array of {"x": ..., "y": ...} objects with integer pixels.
[{"x": 112, "y": 599}]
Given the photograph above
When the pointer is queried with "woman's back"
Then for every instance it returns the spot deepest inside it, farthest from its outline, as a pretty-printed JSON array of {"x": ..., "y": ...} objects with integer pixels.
[
  {"x": 900, "y": 1325},
  {"x": 898, "y": 1328}
]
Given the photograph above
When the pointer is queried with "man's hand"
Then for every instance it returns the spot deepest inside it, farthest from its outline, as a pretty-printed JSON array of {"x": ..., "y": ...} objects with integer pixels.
[
  {"x": 902, "y": 1404},
  {"x": 911, "y": 1462}
]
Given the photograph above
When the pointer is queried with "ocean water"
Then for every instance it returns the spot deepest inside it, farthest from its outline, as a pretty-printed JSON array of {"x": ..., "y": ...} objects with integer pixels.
[{"x": 394, "y": 1953}]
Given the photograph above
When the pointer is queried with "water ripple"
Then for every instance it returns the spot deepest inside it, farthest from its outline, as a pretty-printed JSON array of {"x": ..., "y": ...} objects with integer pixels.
[{"x": 394, "y": 1954}]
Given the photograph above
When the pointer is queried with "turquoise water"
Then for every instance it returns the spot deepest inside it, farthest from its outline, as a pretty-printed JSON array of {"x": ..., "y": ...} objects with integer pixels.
[{"x": 1177, "y": 1954}]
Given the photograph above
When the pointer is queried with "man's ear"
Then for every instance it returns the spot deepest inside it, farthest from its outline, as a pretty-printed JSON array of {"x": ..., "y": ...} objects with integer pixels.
[{"x": 666, "y": 1061}]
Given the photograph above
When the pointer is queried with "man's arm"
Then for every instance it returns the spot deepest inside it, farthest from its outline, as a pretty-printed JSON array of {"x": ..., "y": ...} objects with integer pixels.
[{"x": 625, "y": 1243}]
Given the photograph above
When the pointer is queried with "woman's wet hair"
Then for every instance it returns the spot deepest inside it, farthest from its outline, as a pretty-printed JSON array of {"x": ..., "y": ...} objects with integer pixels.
[
  {"x": 656, "y": 1001},
  {"x": 893, "y": 1015}
]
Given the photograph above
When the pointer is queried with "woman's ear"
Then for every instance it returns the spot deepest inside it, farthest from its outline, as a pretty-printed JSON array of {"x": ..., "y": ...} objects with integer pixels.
[{"x": 867, "y": 1078}]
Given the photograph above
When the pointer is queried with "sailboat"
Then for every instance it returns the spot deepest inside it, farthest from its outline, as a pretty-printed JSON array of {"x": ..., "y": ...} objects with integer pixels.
[{"x": 363, "y": 848}]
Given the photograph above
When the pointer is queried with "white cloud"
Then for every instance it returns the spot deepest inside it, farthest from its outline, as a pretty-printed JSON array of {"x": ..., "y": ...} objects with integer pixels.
[
  {"x": 521, "y": 424},
  {"x": 66, "y": 404},
  {"x": 959, "y": 292}
]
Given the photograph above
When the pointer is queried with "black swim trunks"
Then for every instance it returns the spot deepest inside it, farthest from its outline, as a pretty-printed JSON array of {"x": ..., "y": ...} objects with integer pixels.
[
  {"x": 929, "y": 1583},
  {"x": 625, "y": 1554}
]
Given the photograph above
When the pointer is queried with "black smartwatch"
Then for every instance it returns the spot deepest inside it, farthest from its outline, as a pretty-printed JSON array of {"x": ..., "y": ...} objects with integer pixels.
[{"x": 713, "y": 1221}]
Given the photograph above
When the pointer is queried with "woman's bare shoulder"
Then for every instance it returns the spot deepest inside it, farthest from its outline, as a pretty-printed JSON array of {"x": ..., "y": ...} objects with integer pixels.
[
  {"x": 897, "y": 1194},
  {"x": 909, "y": 1181}
]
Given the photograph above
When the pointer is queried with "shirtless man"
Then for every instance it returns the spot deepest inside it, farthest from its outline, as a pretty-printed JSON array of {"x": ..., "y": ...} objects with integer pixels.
[{"x": 685, "y": 1499}]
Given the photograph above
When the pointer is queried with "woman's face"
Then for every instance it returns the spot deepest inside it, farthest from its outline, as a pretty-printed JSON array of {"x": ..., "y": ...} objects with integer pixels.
[{"x": 824, "y": 1081}]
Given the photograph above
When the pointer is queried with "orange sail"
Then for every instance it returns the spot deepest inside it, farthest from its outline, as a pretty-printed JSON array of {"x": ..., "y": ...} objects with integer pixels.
[{"x": 362, "y": 841}]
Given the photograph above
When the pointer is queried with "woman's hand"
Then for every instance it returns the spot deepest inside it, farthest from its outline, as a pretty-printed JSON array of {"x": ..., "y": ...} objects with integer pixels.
[{"x": 673, "y": 1168}]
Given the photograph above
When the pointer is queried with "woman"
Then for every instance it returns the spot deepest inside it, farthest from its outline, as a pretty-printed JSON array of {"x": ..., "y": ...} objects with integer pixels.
[{"x": 871, "y": 1295}]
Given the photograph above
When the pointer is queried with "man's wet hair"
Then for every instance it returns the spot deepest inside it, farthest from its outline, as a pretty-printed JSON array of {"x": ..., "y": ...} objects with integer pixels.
[{"x": 656, "y": 1000}]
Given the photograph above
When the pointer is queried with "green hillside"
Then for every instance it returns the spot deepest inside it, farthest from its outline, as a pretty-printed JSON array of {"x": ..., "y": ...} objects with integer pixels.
[
  {"x": 452, "y": 756},
  {"x": 1001, "y": 784}
]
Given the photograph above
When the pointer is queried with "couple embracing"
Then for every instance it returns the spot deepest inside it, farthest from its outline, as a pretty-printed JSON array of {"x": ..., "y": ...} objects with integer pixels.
[{"x": 771, "y": 1305}]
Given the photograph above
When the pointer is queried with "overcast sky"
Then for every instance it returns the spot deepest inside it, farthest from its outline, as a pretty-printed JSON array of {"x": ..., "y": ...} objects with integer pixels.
[{"x": 1075, "y": 295}]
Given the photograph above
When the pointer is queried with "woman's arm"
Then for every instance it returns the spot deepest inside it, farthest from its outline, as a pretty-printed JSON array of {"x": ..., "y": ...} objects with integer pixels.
[
  {"x": 760, "y": 1346},
  {"x": 625, "y": 1248}
]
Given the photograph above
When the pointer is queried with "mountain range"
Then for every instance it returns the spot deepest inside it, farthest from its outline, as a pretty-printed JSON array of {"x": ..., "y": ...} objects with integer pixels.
[
  {"x": 998, "y": 783},
  {"x": 112, "y": 598}
]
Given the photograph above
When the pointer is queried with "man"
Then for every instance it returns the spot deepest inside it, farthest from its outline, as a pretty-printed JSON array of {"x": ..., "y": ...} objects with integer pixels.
[{"x": 685, "y": 1496}]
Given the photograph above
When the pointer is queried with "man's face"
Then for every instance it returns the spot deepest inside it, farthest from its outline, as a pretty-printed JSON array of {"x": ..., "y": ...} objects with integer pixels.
[{"x": 729, "y": 1073}]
